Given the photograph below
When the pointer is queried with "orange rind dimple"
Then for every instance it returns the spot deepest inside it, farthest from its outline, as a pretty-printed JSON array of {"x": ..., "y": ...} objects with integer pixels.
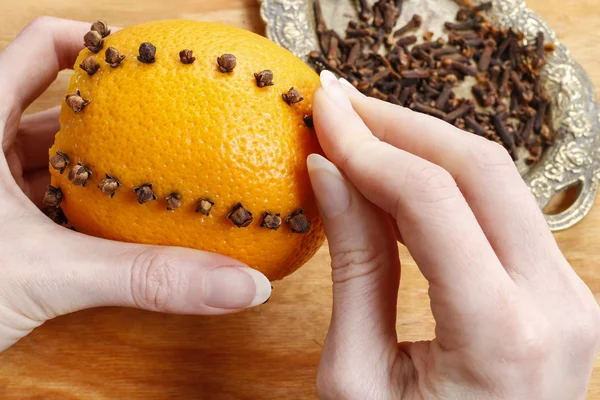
[{"x": 190, "y": 134}]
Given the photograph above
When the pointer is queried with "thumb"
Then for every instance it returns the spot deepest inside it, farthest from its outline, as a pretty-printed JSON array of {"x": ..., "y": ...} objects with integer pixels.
[
  {"x": 365, "y": 274},
  {"x": 97, "y": 273}
]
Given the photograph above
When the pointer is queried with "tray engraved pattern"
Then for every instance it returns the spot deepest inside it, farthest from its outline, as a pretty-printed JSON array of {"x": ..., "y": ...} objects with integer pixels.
[{"x": 574, "y": 159}]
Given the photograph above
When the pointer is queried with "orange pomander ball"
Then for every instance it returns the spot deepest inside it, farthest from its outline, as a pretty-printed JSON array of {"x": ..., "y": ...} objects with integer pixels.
[{"x": 191, "y": 134}]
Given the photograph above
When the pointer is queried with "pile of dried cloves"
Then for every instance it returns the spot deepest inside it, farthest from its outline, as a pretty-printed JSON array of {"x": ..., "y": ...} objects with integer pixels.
[{"x": 507, "y": 103}]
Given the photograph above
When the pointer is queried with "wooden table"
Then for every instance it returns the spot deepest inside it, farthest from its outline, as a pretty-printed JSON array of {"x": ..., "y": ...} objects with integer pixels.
[{"x": 270, "y": 352}]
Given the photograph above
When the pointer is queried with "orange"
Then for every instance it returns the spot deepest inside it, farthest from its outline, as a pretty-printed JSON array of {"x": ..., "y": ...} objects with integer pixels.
[{"x": 199, "y": 132}]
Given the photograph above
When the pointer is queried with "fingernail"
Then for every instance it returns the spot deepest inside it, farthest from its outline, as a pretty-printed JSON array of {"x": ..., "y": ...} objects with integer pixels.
[
  {"x": 349, "y": 87},
  {"x": 333, "y": 196},
  {"x": 235, "y": 288},
  {"x": 335, "y": 92}
]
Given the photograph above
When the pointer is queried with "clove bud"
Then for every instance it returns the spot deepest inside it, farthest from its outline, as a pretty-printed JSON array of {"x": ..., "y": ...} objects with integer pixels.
[
  {"x": 56, "y": 214},
  {"x": 173, "y": 201},
  {"x": 113, "y": 57},
  {"x": 240, "y": 216},
  {"x": 90, "y": 65},
  {"x": 271, "y": 221},
  {"x": 264, "y": 78},
  {"x": 101, "y": 27},
  {"x": 60, "y": 161},
  {"x": 76, "y": 102},
  {"x": 147, "y": 53},
  {"x": 52, "y": 197},
  {"x": 292, "y": 97},
  {"x": 93, "y": 41},
  {"x": 298, "y": 222},
  {"x": 144, "y": 193},
  {"x": 227, "y": 62},
  {"x": 415, "y": 22},
  {"x": 365, "y": 11},
  {"x": 79, "y": 175},
  {"x": 204, "y": 206},
  {"x": 308, "y": 121},
  {"x": 186, "y": 56},
  {"x": 109, "y": 186}
]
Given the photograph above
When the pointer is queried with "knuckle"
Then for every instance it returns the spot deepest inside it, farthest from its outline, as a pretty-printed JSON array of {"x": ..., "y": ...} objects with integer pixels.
[
  {"x": 522, "y": 349},
  {"x": 583, "y": 329},
  {"x": 352, "y": 264},
  {"x": 489, "y": 155},
  {"x": 155, "y": 281},
  {"x": 580, "y": 324},
  {"x": 431, "y": 183},
  {"x": 352, "y": 156},
  {"x": 526, "y": 338},
  {"x": 532, "y": 342}
]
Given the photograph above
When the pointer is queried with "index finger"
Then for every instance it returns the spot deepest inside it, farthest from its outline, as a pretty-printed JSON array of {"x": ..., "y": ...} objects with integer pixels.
[
  {"x": 433, "y": 217},
  {"x": 488, "y": 179}
]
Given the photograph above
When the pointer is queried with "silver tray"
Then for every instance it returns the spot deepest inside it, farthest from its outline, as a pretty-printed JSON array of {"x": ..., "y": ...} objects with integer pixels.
[{"x": 574, "y": 159}]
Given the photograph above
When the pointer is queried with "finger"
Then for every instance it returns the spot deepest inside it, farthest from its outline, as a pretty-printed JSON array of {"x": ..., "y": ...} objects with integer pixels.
[
  {"x": 429, "y": 209},
  {"x": 31, "y": 62},
  {"x": 97, "y": 273},
  {"x": 35, "y": 136},
  {"x": 484, "y": 172},
  {"x": 365, "y": 271}
]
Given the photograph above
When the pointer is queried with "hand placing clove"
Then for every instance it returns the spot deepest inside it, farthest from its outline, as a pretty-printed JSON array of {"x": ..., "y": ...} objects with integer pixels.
[{"x": 513, "y": 320}]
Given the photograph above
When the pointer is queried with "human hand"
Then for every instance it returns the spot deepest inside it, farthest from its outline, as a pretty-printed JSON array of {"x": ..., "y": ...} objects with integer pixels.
[
  {"x": 513, "y": 320},
  {"x": 48, "y": 270}
]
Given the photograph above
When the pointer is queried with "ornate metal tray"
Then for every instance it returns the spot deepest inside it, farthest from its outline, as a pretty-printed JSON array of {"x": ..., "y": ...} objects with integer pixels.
[{"x": 574, "y": 159}]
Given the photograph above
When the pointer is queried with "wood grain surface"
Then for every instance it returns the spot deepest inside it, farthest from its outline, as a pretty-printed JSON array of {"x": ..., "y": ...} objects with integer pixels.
[{"x": 270, "y": 352}]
